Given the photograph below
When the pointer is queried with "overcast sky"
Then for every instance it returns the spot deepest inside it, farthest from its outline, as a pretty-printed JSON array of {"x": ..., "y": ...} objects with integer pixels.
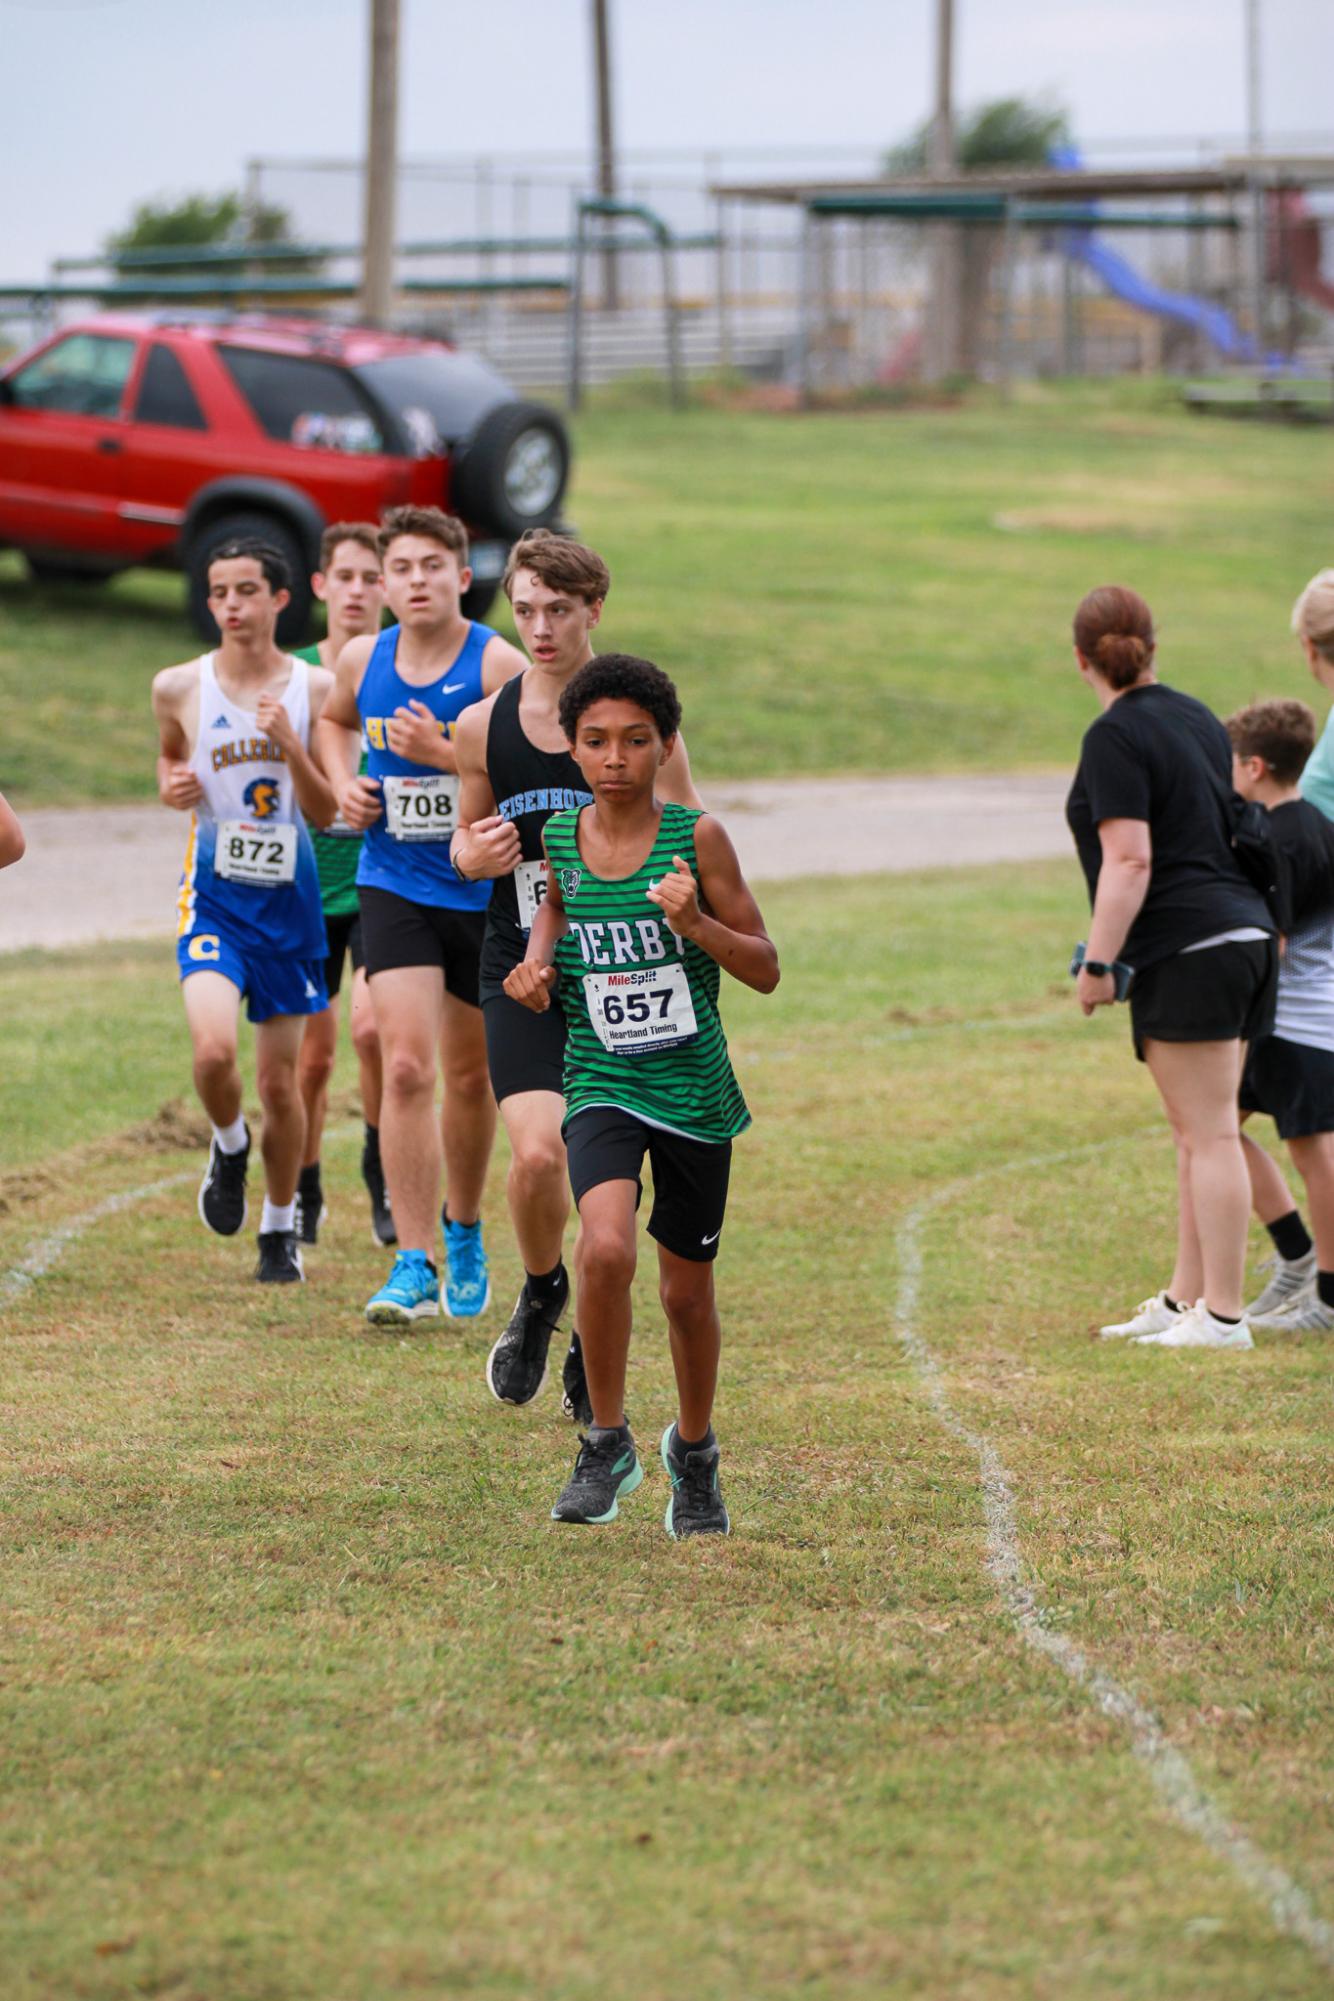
[{"x": 110, "y": 101}]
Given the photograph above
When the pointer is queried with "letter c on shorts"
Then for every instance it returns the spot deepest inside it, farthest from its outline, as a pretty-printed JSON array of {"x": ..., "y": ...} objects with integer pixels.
[{"x": 205, "y": 949}]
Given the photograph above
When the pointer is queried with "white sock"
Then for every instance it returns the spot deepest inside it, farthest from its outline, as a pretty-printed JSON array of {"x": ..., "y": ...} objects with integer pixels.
[
  {"x": 275, "y": 1218},
  {"x": 230, "y": 1138}
]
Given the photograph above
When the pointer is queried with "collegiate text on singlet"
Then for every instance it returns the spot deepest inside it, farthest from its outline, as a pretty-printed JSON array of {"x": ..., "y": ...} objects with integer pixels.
[
  {"x": 249, "y": 866},
  {"x": 407, "y": 849},
  {"x": 641, "y": 1003},
  {"x": 530, "y": 785}
]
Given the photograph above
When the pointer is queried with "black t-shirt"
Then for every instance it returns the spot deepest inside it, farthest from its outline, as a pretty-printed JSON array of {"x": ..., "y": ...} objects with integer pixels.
[
  {"x": 1304, "y": 842},
  {"x": 1161, "y": 756}
]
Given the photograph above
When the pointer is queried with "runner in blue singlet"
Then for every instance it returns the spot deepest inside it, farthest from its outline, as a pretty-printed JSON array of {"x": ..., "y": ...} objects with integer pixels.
[{"x": 421, "y": 924}]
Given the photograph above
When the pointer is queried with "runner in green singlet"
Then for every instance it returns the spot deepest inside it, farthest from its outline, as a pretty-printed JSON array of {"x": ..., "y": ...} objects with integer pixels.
[
  {"x": 350, "y": 585},
  {"x": 645, "y": 907}
]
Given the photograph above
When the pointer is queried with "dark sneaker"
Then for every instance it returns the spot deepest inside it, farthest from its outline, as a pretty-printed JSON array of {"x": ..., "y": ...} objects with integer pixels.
[
  {"x": 516, "y": 1368},
  {"x": 605, "y": 1469},
  {"x": 696, "y": 1506},
  {"x": 311, "y": 1207},
  {"x": 222, "y": 1205},
  {"x": 279, "y": 1259},
  {"x": 382, "y": 1219},
  {"x": 574, "y": 1385}
]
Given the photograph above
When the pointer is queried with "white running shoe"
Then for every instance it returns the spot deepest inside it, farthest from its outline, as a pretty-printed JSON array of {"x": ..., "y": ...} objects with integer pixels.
[
  {"x": 1195, "y": 1327},
  {"x": 1307, "y": 1314},
  {"x": 1151, "y": 1316},
  {"x": 1291, "y": 1277}
]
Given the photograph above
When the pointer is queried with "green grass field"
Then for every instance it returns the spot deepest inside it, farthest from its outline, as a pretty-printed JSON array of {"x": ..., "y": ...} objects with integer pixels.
[
  {"x": 871, "y": 590},
  {"x": 303, "y": 1697}
]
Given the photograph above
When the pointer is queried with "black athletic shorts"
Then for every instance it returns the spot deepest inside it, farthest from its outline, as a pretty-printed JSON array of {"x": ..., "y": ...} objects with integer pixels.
[
  {"x": 524, "y": 1051},
  {"x": 1224, "y": 994},
  {"x": 397, "y": 932},
  {"x": 1294, "y": 1084},
  {"x": 344, "y": 935},
  {"x": 689, "y": 1175}
]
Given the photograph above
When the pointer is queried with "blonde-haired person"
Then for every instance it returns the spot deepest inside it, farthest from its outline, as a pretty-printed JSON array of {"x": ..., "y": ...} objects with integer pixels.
[
  {"x": 1313, "y": 623},
  {"x": 1151, "y": 815}
]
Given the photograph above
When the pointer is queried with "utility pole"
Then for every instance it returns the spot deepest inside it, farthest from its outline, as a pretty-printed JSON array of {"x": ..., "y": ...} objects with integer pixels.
[
  {"x": 944, "y": 355},
  {"x": 611, "y": 294},
  {"x": 377, "y": 252}
]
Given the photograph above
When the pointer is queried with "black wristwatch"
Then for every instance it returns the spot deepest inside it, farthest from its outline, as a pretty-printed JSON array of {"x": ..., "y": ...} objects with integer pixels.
[{"x": 1099, "y": 969}]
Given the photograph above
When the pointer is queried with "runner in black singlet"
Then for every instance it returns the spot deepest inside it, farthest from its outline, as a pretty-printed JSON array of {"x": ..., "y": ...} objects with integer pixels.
[{"x": 515, "y": 771}]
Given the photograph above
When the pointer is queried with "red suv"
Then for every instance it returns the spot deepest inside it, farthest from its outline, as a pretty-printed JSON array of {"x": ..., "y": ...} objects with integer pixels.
[{"x": 138, "y": 439}]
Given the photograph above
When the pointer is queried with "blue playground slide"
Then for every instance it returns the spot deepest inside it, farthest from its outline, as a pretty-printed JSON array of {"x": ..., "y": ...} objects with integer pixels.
[
  {"x": 1217, "y": 325},
  {"x": 1122, "y": 279}
]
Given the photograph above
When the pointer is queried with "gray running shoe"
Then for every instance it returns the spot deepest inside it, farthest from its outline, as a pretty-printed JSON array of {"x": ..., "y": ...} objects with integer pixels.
[
  {"x": 1306, "y": 1314},
  {"x": 606, "y": 1468},
  {"x": 516, "y": 1368},
  {"x": 1291, "y": 1278},
  {"x": 696, "y": 1506}
]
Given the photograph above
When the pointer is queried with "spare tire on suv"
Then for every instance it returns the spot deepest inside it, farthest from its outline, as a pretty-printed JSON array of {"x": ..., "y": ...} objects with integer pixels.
[
  {"x": 511, "y": 474},
  {"x": 294, "y": 618}
]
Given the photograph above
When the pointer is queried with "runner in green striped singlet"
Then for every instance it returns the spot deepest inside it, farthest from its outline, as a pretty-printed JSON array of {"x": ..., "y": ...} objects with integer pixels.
[{"x": 645, "y": 907}]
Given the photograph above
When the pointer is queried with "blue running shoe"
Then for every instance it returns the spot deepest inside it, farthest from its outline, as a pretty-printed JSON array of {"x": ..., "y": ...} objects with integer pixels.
[
  {"x": 467, "y": 1281},
  {"x": 411, "y": 1292}
]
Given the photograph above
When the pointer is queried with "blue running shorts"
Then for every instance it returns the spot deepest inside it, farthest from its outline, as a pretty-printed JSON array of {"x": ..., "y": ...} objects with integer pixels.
[{"x": 271, "y": 983}]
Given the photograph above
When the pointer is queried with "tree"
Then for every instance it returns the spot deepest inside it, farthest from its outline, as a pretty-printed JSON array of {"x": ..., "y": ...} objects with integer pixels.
[
  {"x": 204, "y": 220},
  {"x": 1008, "y": 132}
]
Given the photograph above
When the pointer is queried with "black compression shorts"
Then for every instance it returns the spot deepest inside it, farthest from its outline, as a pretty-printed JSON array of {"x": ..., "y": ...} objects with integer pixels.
[
  {"x": 397, "y": 932},
  {"x": 344, "y": 935},
  {"x": 524, "y": 1051}
]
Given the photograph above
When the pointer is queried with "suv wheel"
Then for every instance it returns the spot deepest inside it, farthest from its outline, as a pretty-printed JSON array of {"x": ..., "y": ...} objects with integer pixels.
[
  {"x": 50, "y": 570},
  {"x": 511, "y": 474},
  {"x": 294, "y": 619}
]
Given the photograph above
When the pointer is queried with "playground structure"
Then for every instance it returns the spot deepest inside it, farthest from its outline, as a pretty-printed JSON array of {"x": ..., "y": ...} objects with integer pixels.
[{"x": 823, "y": 284}]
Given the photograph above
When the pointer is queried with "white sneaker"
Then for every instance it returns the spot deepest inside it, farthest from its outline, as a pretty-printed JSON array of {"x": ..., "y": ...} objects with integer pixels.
[
  {"x": 1307, "y": 1314},
  {"x": 1151, "y": 1317},
  {"x": 1195, "y": 1327},
  {"x": 1290, "y": 1277}
]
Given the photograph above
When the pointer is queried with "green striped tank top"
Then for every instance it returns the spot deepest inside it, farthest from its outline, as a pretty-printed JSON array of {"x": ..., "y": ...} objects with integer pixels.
[
  {"x": 641, "y": 1004},
  {"x": 336, "y": 853}
]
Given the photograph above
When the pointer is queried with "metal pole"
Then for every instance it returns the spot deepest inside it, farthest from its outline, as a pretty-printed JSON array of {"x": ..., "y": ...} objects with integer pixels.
[
  {"x": 674, "y": 370},
  {"x": 804, "y": 260},
  {"x": 606, "y": 144},
  {"x": 1009, "y": 247},
  {"x": 1255, "y": 145},
  {"x": 577, "y": 311},
  {"x": 724, "y": 304},
  {"x": 943, "y": 345},
  {"x": 377, "y": 252}
]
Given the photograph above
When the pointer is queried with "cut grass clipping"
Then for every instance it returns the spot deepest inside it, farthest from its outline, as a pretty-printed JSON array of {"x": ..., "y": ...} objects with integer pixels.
[{"x": 304, "y": 1696}]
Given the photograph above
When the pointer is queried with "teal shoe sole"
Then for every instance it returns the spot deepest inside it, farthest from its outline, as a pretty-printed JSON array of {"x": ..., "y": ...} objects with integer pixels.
[{"x": 627, "y": 1486}]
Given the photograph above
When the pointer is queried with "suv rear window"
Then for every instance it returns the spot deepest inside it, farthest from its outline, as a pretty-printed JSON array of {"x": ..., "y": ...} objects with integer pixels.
[
  {"x": 303, "y": 402},
  {"x": 84, "y": 374},
  {"x": 165, "y": 395}
]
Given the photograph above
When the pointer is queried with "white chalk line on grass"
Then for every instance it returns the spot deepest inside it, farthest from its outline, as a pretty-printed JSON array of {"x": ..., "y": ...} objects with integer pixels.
[
  {"x": 1170, "y": 1771},
  {"x": 43, "y": 1255}
]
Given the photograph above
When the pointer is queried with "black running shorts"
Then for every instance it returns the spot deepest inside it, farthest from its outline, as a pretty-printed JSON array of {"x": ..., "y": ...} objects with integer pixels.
[
  {"x": 690, "y": 1176},
  {"x": 344, "y": 935},
  {"x": 396, "y": 932},
  {"x": 1224, "y": 994},
  {"x": 1294, "y": 1084},
  {"x": 524, "y": 1051}
]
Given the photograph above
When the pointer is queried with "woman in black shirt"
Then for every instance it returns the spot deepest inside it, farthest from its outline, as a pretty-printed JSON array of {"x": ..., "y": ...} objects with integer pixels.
[{"x": 1150, "y": 811}]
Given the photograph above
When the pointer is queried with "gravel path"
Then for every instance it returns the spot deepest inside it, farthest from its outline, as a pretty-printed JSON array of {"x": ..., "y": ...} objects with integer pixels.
[{"x": 113, "y": 873}]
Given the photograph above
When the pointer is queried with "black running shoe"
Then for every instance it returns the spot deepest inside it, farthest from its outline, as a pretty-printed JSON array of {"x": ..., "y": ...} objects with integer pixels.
[
  {"x": 279, "y": 1259},
  {"x": 696, "y": 1506},
  {"x": 605, "y": 1469},
  {"x": 222, "y": 1205},
  {"x": 574, "y": 1384},
  {"x": 516, "y": 1368},
  {"x": 311, "y": 1207},
  {"x": 382, "y": 1220}
]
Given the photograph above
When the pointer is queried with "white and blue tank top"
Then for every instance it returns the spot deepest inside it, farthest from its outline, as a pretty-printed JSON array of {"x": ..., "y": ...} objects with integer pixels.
[
  {"x": 249, "y": 862},
  {"x": 406, "y": 850}
]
